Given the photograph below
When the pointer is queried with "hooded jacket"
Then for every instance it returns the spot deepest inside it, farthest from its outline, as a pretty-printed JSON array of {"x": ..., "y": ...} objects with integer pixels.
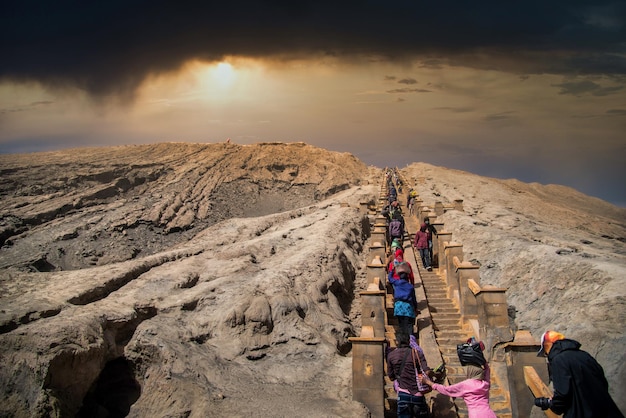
[{"x": 580, "y": 387}]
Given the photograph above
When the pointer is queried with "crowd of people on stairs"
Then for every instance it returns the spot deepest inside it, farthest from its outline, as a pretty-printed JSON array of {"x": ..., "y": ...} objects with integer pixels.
[{"x": 580, "y": 387}]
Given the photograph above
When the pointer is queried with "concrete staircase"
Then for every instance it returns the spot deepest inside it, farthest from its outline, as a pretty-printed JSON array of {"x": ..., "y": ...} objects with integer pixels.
[{"x": 450, "y": 331}]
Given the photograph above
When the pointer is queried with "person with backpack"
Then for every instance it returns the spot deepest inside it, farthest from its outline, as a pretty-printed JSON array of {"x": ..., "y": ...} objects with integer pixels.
[
  {"x": 404, "y": 298},
  {"x": 396, "y": 227},
  {"x": 404, "y": 365},
  {"x": 398, "y": 258}
]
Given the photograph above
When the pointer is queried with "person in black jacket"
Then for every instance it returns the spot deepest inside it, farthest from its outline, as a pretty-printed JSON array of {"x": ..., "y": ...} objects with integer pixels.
[
  {"x": 580, "y": 387},
  {"x": 433, "y": 231}
]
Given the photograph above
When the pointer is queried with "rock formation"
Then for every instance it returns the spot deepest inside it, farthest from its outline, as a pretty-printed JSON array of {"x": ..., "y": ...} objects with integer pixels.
[
  {"x": 180, "y": 280},
  {"x": 194, "y": 280}
]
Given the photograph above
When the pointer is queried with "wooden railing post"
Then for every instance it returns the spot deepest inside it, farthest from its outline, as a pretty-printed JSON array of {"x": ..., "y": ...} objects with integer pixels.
[
  {"x": 453, "y": 249},
  {"x": 521, "y": 358},
  {"x": 438, "y": 225},
  {"x": 368, "y": 371},
  {"x": 444, "y": 237},
  {"x": 373, "y": 312},
  {"x": 422, "y": 213},
  {"x": 468, "y": 304},
  {"x": 439, "y": 208},
  {"x": 376, "y": 273},
  {"x": 493, "y": 314},
  {"x": 377, "y": 249}
]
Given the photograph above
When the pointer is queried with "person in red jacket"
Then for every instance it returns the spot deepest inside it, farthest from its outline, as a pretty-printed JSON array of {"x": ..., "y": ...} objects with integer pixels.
[
  {"x": 399, "y": 259},
  {"x": 422, "y": 237}
]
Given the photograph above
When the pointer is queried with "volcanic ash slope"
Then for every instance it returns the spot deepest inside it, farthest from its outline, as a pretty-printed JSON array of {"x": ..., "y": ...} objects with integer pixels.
[{"x": 222, "y": 316}]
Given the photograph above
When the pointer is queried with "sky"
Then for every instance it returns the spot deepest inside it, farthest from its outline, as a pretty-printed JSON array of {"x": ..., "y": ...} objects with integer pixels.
[{"x": 532, "y": 90}]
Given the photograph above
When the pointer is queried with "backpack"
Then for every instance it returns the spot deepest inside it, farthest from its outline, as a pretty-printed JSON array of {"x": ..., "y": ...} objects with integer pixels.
[
  {"x": 395, "y": 228},
  {"x": 402, "y": 267},
  {"x": 471, "y": 352}
]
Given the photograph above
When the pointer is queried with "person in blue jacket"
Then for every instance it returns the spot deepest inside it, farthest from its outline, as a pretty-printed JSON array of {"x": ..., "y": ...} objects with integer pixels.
[{"x": 404, "y": 299}]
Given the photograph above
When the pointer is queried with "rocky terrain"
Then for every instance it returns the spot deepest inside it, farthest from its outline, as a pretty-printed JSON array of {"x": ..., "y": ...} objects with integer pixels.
[
  {"x": 186, "y": 280},
  {"x": 194, "y": 280}
]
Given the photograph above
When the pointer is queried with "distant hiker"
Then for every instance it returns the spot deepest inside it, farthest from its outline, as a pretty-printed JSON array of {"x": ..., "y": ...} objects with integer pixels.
[
  {"x": 404, "y": 364},
  {"x": 397, "y": 259},
  {"x": 431, "y": 229},
  {"x": 411, "y": 205},
  {"x": 404, "y": 299},
  {"x": 412, "y": 194},
  {"x": 396, "y": 227},
  {"x": 393, "y": 194},
  {"x": 421, "y": 243},
  {"x": 394, "y": 208},
  {"x": 580, "y": 387},
  {"x": 395, "y": 246}
]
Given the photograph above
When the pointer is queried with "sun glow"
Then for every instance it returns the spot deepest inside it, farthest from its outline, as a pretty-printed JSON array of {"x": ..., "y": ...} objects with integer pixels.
[{"x": 222, "y": 75}]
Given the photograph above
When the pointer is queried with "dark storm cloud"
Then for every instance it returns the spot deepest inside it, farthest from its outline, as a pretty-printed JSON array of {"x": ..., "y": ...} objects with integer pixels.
[
  {"x": 496, "y": 117},
  {"x": 408, "y": 90},
  {"x": 456, "y": 109},
  {"x": 109, "y": 47},
  {"x": 580, "y": 88},
  {"x": 26, "y": 107},
  {"x": 407, "y": 81}
]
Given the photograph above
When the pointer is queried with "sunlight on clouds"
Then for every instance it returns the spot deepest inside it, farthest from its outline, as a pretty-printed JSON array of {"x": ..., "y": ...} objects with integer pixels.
[
  {"x": 223, "y": 75},
  {"x": 325, "y": 102}
]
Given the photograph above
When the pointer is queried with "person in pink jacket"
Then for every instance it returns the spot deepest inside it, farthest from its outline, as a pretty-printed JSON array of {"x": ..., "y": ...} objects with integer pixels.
[{"x": 474, "y": 390}]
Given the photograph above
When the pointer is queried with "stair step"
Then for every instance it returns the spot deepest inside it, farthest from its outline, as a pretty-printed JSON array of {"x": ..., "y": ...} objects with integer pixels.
[
  {"x": 447, "y": 319},
  {"x": 451, "y": 319},
  {"x": 452, "y": 339},
  {"x": 438, "y": 300},
  {"x": 451, "y": 335},
  {"x": 442, "y": 304},
  {"x": 435, "y": 286},
  {"x": 432, "y": 278}
]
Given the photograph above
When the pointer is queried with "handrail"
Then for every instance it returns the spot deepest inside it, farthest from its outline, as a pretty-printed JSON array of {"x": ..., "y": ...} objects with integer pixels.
[
  {"x": 537, "y": 387},
  {"x": 483, "y": 308}
]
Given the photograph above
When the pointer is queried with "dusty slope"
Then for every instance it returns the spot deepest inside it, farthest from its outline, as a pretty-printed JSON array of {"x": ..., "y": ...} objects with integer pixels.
[
  {"x": 71, "y": 209},
  {"x": 560, "y": 254},
  {"x": 220, "y": 272},
  {"x": 209, "y": 308}
]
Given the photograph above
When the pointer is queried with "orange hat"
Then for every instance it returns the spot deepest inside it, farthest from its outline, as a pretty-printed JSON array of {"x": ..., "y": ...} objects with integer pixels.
[{"x": 549, "y": 337}]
